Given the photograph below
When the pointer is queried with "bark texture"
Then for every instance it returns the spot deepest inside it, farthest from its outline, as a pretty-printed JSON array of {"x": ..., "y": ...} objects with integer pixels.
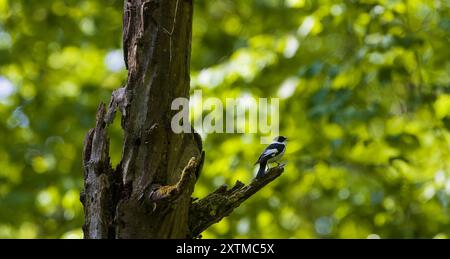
[{"x": 148, "y": 194}]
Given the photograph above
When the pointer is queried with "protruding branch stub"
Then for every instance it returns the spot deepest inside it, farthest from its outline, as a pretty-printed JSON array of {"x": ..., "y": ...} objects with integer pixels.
[
  {"x": 170, "y": 193},
  {"x": 221, "y": 202},
  {"x": 98, "y": 179},
  {"x": 118, "y": 100}
]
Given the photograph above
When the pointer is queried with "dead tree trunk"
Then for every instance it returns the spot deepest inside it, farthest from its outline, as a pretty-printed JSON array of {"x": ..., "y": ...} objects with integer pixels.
[{"x": 148, "y": 195}]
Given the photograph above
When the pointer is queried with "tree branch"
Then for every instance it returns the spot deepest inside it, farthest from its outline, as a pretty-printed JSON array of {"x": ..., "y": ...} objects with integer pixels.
[{"x": 220, "y": 203}]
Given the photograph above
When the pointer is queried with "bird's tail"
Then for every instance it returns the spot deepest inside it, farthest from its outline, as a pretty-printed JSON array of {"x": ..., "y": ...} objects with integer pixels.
[{"x": 262, "y": 169}]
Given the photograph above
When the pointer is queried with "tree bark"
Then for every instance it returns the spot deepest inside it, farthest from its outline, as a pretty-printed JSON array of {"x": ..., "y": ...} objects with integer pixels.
[{"x": 148, "y": 195}]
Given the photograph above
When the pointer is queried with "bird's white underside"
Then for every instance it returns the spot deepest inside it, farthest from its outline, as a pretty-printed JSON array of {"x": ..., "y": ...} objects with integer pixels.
[{"x": 275, "y": 158}]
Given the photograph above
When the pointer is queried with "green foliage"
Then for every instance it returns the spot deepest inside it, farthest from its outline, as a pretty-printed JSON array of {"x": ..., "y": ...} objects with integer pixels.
[{"x": 365, "y": 101}]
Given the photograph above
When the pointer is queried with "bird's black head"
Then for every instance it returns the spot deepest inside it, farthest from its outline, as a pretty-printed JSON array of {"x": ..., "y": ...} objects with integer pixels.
[{"x": 280, "y": 139}]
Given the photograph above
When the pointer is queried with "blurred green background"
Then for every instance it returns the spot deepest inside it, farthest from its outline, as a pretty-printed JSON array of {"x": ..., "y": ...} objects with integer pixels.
[{"x": 365, "y": 101}]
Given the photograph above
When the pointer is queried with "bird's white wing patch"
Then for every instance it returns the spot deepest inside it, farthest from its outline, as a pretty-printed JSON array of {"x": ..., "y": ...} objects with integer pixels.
[{"x": 270, "y": 151}]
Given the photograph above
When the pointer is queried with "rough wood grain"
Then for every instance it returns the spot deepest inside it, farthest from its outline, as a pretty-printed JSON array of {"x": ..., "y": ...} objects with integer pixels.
[{"x": 100, "y": 182}]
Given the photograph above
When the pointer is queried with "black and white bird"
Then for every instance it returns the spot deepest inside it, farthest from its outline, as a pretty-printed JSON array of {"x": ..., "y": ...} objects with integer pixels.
[{"x": 271, "y": 154}]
